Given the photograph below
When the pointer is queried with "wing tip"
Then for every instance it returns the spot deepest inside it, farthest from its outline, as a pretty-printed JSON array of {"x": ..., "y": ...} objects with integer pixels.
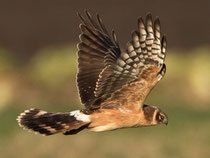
[
  {"x": 148, "y": 15},
  {"x": 164, "y": 40},
  {"x": 157, "y": 23}
]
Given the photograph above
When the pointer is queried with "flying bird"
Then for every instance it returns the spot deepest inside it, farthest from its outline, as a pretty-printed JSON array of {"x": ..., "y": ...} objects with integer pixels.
[{"x": 113, "y": 84}]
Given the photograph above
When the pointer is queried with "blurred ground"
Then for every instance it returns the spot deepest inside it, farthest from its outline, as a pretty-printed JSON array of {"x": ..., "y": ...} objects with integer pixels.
[{"x": 47, "y": 81}]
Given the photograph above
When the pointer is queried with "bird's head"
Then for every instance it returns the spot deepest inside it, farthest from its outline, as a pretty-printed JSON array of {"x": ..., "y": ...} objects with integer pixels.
[
  {"x": 161, "y": 117},
  {"x": 154, "y": 115}
]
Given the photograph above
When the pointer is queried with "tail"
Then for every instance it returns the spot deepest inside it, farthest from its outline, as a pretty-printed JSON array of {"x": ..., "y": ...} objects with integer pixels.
[{"x": 47, "y": 123}]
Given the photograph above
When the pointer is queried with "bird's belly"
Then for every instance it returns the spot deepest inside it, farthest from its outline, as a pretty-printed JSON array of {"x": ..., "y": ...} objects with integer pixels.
[
  {"x": 106, "y": 127},
  {"x": 111, "y": 119}
]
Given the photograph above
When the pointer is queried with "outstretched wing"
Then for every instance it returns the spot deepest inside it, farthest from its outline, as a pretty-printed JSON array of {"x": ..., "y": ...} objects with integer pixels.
[
  {"x": 138, "y": 69},
  {"x": 107, "y": 74},
  {"x": 95, "y": 45}
]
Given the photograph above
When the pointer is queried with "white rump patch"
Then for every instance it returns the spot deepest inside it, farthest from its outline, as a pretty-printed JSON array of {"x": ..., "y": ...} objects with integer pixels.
[{"x": 80, "y": 116}]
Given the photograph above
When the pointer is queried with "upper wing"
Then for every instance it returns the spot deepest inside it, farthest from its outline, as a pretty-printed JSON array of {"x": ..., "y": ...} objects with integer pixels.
[
  {"x": 105, "y": 73},
  {"x": 95, "y": 45},
  {"x": 138, "y": 69}
]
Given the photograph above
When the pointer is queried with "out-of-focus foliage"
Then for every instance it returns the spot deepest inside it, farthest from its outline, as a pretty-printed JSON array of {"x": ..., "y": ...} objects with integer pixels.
[
  {"x": 53, "y": 66},
  {"x": 6, "y": 60},
  {"x": 191, "y": 70},
  {"x": 48, "y": 82}
]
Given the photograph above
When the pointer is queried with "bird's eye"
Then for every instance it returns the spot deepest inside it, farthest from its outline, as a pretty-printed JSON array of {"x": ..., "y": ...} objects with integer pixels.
[{"x": 161, "y": 117}]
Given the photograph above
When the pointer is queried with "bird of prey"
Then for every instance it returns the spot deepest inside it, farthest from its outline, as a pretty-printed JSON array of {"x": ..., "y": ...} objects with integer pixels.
[{"x": 113, "y": 84}]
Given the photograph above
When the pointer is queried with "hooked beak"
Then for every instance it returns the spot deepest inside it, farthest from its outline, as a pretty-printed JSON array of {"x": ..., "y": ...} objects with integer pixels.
[{"x": 165, "y": 121}]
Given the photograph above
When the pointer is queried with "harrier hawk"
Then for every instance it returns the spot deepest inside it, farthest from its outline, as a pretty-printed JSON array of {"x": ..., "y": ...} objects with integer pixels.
[{"x": 113, "y": 84}]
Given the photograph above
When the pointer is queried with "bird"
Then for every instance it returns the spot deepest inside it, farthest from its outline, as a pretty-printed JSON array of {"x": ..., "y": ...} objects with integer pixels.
[{"x": 112, "y": 84}]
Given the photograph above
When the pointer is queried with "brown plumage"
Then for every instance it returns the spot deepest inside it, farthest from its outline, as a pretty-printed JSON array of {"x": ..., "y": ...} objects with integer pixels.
[{"x": 113, "y": 84}]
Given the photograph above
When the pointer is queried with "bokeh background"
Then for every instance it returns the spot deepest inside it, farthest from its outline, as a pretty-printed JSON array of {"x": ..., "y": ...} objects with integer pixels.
[{"x": 38, "y": 67}]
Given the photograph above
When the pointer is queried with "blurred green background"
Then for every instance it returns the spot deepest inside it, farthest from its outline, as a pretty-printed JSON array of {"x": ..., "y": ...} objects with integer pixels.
[{"x": 43, "y": 76}]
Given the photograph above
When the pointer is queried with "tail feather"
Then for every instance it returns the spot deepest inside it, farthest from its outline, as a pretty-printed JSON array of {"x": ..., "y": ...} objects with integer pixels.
[
  {"x": 75, "y": 131},
  {"x": 47, "y": 123}
]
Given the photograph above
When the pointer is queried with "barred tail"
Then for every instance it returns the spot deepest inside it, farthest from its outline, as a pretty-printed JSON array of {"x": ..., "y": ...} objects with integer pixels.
[{"x": 47, "y": 123}]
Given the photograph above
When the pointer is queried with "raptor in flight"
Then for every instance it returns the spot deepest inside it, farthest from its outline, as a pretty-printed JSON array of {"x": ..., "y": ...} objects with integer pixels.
[{"x": 113, "y": 84}]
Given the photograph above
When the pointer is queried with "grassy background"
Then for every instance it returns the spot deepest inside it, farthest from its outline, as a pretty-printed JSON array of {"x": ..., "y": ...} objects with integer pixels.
[{"x": 47, "y": 82}]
